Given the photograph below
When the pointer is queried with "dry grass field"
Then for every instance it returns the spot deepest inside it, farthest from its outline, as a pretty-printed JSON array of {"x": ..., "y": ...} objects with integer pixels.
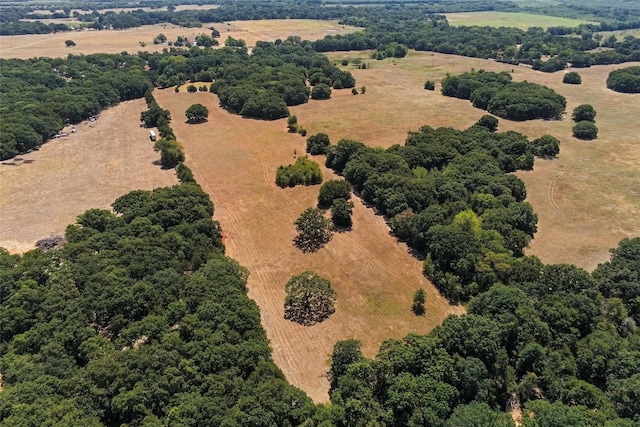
[
  {"x": 116, "y": 41},
  {"x": 235, "y": 161},
  {"x": 43, "y": 191}
]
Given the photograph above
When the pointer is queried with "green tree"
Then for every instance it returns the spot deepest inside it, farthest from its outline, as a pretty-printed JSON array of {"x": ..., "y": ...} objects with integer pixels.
[
  {"x": 546, "y": 146},
  {"x": 332, "y": 190},
  {"x": 69, "y": 43},
  {"x": 318, "y": 144},
  {"x": 292, "y": 123},
  {"x": 160, "y": 39},
  {"x": 197, "y": 113},
  {"x": 341, "y": 211},
  {"x": 309, "y": 300},
  {"x": 625, "y": 80},
  {"x": 488, "y": 122},
  {"x": 321, "y": 91},
  {"x": 430, "y": 85},
  {"x": 314, "y": 230},
  {"x": 585, "y": 130},
  {"x": 583, "y": 112},
  {"x": 478, "y": 415},
  {"x": 171, "y": 152},
  {"x": 572, "y": 78},
  {"x": 418, "y": 302},
  {"x": 192, "y": 88}
]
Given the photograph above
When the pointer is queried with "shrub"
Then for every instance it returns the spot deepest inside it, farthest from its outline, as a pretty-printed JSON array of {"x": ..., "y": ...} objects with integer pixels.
[
  {"x": 429, "y": 85},
  {"x": 546, "y": 146},
  {"x": 332, "y": 190},
  {"x": 318, "y": 144},
  {"x": 585, "y": 130},
  {"x": 341, "y": 211},
  {"x": 572, "y": 78},
  {"x": 192, "y": 88},
  {"x": 303, "y": 171},
  {"x": 584, "y": 112}
]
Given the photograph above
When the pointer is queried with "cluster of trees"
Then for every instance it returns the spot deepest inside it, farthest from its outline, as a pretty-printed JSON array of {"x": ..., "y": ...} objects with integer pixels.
[
  {"x": 303, "y": 171},
  {"x": 448, "y": 194},
  {"x": 139, "y": 319},
  {"x": 496, "y": 93},
  {"x": 585, "y": 117},
  {"x": 171, "y": 151},
  {"x": 41, "y": 95},
  {"x": 260, "y": 85},
  {"x": 625, "y": 80},
  {"x": 557, "y": 343}
]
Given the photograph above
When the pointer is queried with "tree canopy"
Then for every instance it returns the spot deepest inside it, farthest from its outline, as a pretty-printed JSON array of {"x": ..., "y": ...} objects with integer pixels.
[
  {"x": 197, "y": 113},
  {"x": 314, "y": 230},
  {"x": 625, "y": 80},
  {"x": 310, "y": 299}
]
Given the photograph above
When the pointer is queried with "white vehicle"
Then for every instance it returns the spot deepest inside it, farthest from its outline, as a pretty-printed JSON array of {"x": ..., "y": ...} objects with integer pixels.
[{"x": 152, "y": 135}]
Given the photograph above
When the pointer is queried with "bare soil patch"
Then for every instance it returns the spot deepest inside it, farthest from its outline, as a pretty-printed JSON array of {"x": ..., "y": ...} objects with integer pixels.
[
  {"x": 235, "y": 161},
  {"x": 43, "y": 191}
]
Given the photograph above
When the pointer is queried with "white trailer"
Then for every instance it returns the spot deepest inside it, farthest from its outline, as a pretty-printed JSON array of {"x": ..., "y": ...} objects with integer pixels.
[{"x": 152, "y": 135}]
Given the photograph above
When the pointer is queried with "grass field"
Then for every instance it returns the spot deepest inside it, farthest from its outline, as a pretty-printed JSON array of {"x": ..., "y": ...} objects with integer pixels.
[
  {"x": 112, "y": 41},
  {"x": 43, "y": 191},
  {"x": 509, "y": 19}
]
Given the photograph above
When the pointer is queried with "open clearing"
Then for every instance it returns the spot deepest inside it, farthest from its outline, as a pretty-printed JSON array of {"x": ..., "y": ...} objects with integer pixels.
[
  {"x": 510, "y": 19},
  {"x": 43, "y": 191},
  {"x": 116, "y": 41},
  {"x": 235, "y": 161}
]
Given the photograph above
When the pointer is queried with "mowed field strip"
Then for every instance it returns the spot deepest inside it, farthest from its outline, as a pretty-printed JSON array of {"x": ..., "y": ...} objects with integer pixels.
[
  {"x": 43, "y": 191},
  {"x": 511, "y": 19},
  {"x": 235, "y": 161}
]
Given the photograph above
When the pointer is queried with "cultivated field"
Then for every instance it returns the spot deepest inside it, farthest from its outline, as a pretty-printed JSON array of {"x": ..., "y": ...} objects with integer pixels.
[
  {"x": 43, "y": 191},
  {"x": 116, "y": 41},
  {"x": 509, "y": 19},
  {"x": 235, "y": 161}
]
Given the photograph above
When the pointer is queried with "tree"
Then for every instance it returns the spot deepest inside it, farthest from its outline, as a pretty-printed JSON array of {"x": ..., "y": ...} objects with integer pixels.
[
  {"x": 625, "y": 80},
  {"x": 332, "y": 190},
  {"x": 572, "y": 78},
  {"x": 418, "y": 302},
  {"x": 321, "y": 91},
  {"x": 160, "y": 39},
  {"x": 197, "y": 113},
  {"x": 488, "y": 122},
  {"x": 546, "y": 146},
  {"x": 318, "y": 144},
  {"x": 192, "y": 88},
  {"x": 309, "y": 300},
  {"x": 585, "y": 130},
  {"x": 314, "y": 230},
  {"x": 171, "y": 153},
  {"x": 341, "y": 211},
  {"x": 292, "y": 123},
  {"x": 584, "y": 112},
  {"x": 430, "y": 85},
  {"x": 69, "y": 43}
]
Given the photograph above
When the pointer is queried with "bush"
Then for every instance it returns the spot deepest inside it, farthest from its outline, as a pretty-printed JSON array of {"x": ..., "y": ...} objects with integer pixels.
[
  {"x": 585, "y": 130},
  {"x": 332, "y": 190},
  {"x": 341, "y": 211},
  {"x": 584, "y": 112},
  {"x": 303, "y": 171},
  {"x": 546, "y": 146},
  {"x": 488, "y": 122},
  {"x": 318, "y": 144},
  {"x": 572, "y": 78},
  {"x": 625, "y": 80},
  {"x": 192, "y": 88},
  {"x": 321, "y": 91},
  {"x": 429, "y": 85}
]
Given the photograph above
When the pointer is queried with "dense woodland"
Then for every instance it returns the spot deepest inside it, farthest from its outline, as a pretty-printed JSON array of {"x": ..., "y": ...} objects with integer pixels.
[{"x": 140, "y": 319}]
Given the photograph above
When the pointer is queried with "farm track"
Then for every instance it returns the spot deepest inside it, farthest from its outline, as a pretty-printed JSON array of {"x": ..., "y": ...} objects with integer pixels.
[
  {"x": 235, "y": 161},
  {"x": 551, "y": 195}
]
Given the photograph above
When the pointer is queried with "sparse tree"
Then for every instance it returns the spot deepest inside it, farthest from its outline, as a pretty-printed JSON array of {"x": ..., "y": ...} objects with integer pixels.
[
  {"x": 354, "y": 91},
  {"x": 309, "y": 300},
  {"x": 160, "y": 39},
  {"x": 69, "y": 43},
  {"x": 197, "y": 113},
  {"x": 314, "y": 230},
  {"x": 419, "y": 297},
  {"x": 429, "y": 85},
  {"x": 292, "y": 123},
  {"x": 363, "y": 89}
]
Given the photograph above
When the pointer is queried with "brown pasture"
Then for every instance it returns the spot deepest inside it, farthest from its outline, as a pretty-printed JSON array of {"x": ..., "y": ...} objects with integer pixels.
[
  {"x": 43, "y": 191},
  {"x": 116, "y": 41},
  {"x": 235, "y": 161}
]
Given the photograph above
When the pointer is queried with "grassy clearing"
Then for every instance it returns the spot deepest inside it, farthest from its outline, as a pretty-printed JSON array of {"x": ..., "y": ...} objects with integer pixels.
[{"x": 508, "y": 19}]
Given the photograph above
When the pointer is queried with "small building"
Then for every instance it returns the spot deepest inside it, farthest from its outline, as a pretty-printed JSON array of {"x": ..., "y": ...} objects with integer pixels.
[{"x": 152, "y": 135}]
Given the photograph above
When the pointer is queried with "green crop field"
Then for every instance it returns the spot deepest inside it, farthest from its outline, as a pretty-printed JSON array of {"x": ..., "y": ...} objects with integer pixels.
[{"x": 508, "y": 19}]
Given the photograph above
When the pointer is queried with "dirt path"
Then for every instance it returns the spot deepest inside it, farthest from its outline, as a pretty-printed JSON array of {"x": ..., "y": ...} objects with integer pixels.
[
  {"x": 235, "y": 161},
  {"x": 43, "y": 191}
]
